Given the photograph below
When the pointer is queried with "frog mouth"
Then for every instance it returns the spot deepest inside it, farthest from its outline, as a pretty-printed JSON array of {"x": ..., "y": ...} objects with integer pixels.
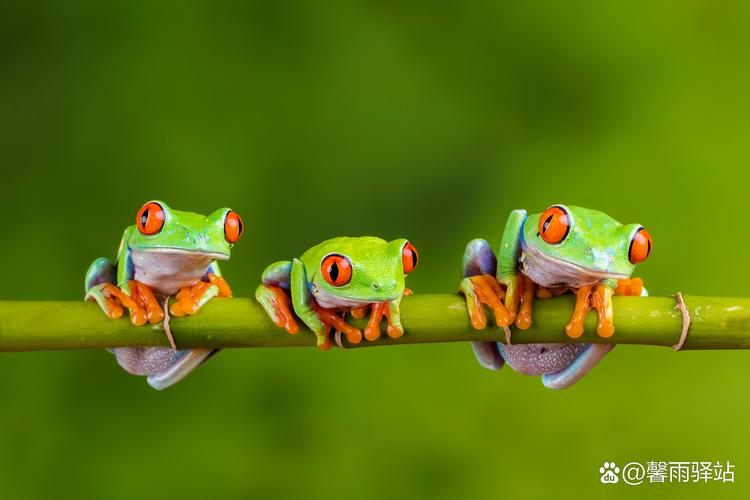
[
  {"x": 328, "y": 300},
  {"x": 184, "y": 251},
  {"x": 551, "y": 271}
]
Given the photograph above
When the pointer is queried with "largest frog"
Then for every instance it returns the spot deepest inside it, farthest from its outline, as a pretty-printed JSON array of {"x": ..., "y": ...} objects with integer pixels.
[
  {"x": 565, "y": 248},
  {"x": 166, "y": 253}
]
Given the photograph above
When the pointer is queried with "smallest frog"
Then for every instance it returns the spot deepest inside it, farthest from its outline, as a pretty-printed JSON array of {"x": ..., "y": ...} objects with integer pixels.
[{"x": 336, "y": 277}]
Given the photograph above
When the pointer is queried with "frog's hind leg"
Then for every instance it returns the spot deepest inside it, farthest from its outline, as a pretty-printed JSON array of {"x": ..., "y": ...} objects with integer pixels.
[
  {"x": 480, "y": 260},
  {"x": 583, "y": 364},
  {"x": 163, "y": 366},
  {"x": 273, "y": 295}
]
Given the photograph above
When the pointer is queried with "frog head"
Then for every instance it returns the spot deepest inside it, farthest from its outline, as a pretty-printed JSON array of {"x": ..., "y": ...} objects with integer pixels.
[
  {"x": 161, "y": 229},
  {"x": 573, "y": 245},
  {"x": 355, "y": 271}
]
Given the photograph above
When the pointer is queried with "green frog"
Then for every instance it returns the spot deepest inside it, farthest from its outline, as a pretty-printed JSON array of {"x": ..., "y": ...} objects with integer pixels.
[
  {"x": 337, "y": 276},
  {"x": 166, "y": 254},
  {"x": 564, "y": 249}
]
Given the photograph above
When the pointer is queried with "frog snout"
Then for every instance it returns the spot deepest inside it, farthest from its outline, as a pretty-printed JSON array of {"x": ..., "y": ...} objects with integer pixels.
[
  {"x": 200, "y": 241},
  {"x": 384, "y": 285}
]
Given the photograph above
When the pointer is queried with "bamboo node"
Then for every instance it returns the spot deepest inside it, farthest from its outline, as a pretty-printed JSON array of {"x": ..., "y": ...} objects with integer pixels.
[{"x": 685, "y": 320}]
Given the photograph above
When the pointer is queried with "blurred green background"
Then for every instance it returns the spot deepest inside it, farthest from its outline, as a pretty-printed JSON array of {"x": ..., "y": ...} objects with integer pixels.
[{"x": 418, "y": 120}]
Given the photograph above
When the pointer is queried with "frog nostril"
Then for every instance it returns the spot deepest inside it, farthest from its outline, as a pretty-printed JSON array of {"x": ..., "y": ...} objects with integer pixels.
[{"x": 376, "y": 285}]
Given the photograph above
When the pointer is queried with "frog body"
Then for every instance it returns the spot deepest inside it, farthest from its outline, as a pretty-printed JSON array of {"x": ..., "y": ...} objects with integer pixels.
[
  {"x": 167, "y": 253},
  {"x": 564, "y": 249},
  {"x": 339, "y": 276}
]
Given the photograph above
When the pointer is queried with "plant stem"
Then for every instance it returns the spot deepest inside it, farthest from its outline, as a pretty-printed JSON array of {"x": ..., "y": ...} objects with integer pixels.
[{"x": 717, "y": 323}]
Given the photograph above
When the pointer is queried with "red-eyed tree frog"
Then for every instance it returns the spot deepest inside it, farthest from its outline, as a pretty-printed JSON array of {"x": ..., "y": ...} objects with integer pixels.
[
  {"x": 563, "y": 249},
  {"x": 167, "y": 253},
  {"x": 337, "y": 276}
]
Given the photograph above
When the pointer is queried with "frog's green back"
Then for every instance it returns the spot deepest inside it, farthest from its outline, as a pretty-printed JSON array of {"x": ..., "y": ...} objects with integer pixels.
[{"x": 377, "y": 267}]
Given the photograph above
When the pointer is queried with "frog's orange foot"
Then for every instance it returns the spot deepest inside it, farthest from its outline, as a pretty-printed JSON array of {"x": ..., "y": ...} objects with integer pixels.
[
  {"x": 221, "y": 284},
  {"x": 631, "y": 287},
  {"x": 145, "y": 298},
  {"x": 598, "y": 297},
  {"x": 484, "y": 290},
  {"x": 372, "y": 331},
  {"x": 104, "y": 295},
  {"x": 190, "y": 299},
  {"x": 331, "y": 321},
  {"x": 523, "y": 318},
  {"x": 359, "y": 312},
  {"x": 113, "y": 301},
  {"x": 602, "y": 301},
  {"x": 574, "y": 328},
  {"x": 395, "y": 329},
  {"x": 281, "y": 307}
]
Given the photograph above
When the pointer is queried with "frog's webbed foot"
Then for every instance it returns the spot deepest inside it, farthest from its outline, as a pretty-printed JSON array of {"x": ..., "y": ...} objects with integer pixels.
[
  {"x": 332, "y": 322},
  {"x": 630, "y": 287},
  {"x": 107, "y": 296},
  {"x": 589, "y": 297},
  {"x": 391, "y": 311},
  {"x": 278, "y": 305},
  {"x": 523, "y": 317},
  {"x": 190, "y": 299},
  {"x": 372, "y": 330},
  {"x": 484, "y": 290},
  {"x": 141, "y": 302},
  {"x": 479, "y": 260},
  {"x": 145, "y": 298}
]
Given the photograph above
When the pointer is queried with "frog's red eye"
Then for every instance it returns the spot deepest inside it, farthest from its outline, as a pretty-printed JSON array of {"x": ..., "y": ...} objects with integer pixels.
[
  {"x": 233, "y": 227},
  {"x": 337, "y": 270},
  {"x": 640, "y": 246},
  {"x": 554, "y": 224},
  {"x": 150, "y": 218},
  {"x": 410, "y": 257}
]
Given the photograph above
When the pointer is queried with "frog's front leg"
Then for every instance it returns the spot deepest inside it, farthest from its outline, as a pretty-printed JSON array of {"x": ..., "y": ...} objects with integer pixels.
[
  {"x": 480, "y": 260},
  {"x": 598, "y": 297},
  {"x": 135, "y": 296},
  {"x": 393, "y": 315},
  {"x": 392, "y": 312},
  {"x": 317, "y": 318},
  {"x": 190, "y": 299},
  {"x": 272, "y": 294},
  {"x": 480, "y": 287}
]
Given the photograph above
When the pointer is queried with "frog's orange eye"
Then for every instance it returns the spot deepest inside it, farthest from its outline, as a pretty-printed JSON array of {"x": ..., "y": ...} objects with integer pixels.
[
  {"x": 554, "y": 224},
  {"x": 337, "y": 270},
  {"x": 233, "y": 227},
  {"x": 410, "y": 257},
  {"x": 150, "y": 218},
  {"x": 640, "y": 246}
]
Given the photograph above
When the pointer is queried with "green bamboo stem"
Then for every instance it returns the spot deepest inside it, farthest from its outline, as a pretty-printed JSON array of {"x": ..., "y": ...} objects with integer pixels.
[{"x": 717, "y": 323}]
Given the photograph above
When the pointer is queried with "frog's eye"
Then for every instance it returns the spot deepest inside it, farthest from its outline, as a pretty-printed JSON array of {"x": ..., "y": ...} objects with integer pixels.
[
  {"x": 150, "y": 218},
  {"x": 640, "y": 246},
  {"x": 233, "y": 227},
  {"x": 554, "y": 224},
  {"x": 337, "y": 270},
  {"x": 410, "y": 257}
]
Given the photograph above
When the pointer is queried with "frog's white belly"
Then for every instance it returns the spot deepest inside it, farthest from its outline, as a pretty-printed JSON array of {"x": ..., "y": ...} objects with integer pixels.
[
  {"x": 329, "y": 301},
  {"x": 550, "y": 272},
  {"x": 168, "y": 271}
]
